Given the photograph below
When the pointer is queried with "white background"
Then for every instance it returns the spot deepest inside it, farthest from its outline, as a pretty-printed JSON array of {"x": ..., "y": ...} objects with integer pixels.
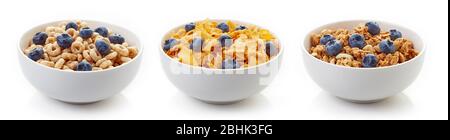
[{"x": 293, "y": 95}]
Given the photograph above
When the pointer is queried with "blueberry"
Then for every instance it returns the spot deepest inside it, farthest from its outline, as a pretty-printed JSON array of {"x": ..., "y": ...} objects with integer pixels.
[
  {"x": 36, "y": 54},
  {"x": 103, "y": 31},
  {"x": 224, "y": 27},
  {"x": 86, "y": 33},
  {"x": 387, "y": 46},
  {"x": 230, "y": 64},
  {"x": 40, "y": 38},
  {"x": 116, "y": 39},
  {"x": 72, "y": 25},
  {"x": 395, "y": 34},
  {"x": 225, "y": 40},
  {"x": 374, "y": 28},
  {"x": 242, "y": 27},
  {"x": 369, "y": 61},
  {"x": 169, "y": 44},
  {"x": 271, "y": 49},
  {"x": 334, "y": 47},
  {"x": 84, "y": 66},
  {"x": 357, "y": 40},
  {"x": 189, "y": 27},
  {"x": 64, "y": 40},
  {"x": 102, "y": 47},
  {"x": 326, "y": 38},
  {"x": 196, "y": 45}
]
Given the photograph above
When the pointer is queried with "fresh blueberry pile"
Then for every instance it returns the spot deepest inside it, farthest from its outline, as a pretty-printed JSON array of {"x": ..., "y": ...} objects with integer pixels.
[
  {"x": 361, "y": 48},
  {"x": 84, "y": 66},
  {"x": 86, "y": 33},
  {"x": 103, "y": 31},
  {"x": 369, "y": 61},
  {"x": 64, "y": 41},
  {"x": 70, "y": 50},
  {"x": 373, "y": 28},
  {"x": 189, "y": 27},
  {"x": 102, "y": 47},
  {"x": 326, "y": 38},
  {"x": 224, "y": 27},
  {"x": 387, "y": 46},
  {"x": 36, "y": 54},
  {"x": 40, "y": 38},
  {"x": 357, "y": 40},
  {"x": 169, "y": 44}
]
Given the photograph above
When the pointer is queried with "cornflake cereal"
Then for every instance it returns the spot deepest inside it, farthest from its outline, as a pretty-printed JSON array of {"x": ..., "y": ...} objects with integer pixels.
[
  {"x": 364, "y": 47},
  {"x": 225, "y": 45},
  {"x": 74, "y": 46}
]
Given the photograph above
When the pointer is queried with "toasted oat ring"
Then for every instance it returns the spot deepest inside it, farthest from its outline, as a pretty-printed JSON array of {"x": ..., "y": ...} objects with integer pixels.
[
  {"x": 69, "y": 56},
  {"x": 90, "y": 46},
  {"x": 111, "y": 55},
  {"x": 60, "y": 63},
  {"x": 78, "y": 39},
  {"x": 66, "y": 68},
  {"x": 67, "y": 50},
  {"x": 46, "y": 63},
  {"x": 50, "y": 29},
  {"x": 96, "y": 69},
  {"x": 79, "y": 57},
  {"x": 106, "y": 64},
  {"x": 50, "y": 40},
  {"x": 87, "y": 56},
  {"x": 99, "y": 62},
  {"x": 52, "y": 50},
  {"x": 125, "y": 59},
  {"x": 77, "y": 47},
  {"x": 46, "y": 57},
  {"x": 72, "y": 64},
  {"x": 94, "y": 55},
  {"x": 56, "y": 58},
  {"x": 122, "y": 50},
  {"x": 133, "y": 52},
  {"x": 72, "y": 32}
]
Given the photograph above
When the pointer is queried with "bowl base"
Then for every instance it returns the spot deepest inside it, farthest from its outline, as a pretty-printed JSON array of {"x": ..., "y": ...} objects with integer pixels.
[
  {"x": 77, "y": 103},
  {"x": 363, "y": 101},
  {"x": 220, "y": 102},
  {"x": 80, "y": 103}
]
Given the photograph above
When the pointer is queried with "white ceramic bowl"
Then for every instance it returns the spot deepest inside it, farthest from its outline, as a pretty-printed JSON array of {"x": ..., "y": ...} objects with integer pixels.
[
  {"x": 79, "y": 87},
  {"x": 364, "y": 85},
  {"x": 217, "y": 86}
]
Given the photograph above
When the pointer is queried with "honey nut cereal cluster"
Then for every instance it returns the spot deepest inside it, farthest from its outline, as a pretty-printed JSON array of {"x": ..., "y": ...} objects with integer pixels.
[
  {"x": 224, "y": 45},
  {"x": 74, "y": 46},
  {"x": 367, "y": 46}
]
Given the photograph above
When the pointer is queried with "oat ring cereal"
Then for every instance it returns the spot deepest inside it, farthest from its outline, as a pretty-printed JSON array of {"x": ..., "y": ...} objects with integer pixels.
[
  {"x": 74, "y": 46},
  {"x": 366, "y": 46},
  {"x": 53, "y": 49},
  {"x": 221, "y": 45}
]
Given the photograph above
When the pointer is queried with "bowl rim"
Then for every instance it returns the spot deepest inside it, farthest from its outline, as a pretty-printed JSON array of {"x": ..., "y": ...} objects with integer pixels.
[
  {"x": 308, "y": 39},
  {"x": 223, "y": 70},
  {"x": 107, "y": 25}
]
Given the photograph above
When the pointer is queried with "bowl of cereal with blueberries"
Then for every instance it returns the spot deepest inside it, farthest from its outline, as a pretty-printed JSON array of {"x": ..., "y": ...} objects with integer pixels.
[
  {"x": 220, "y": 61},
  {"x": 79, "y": 61},
  {"x": 363, "y": 61}
]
